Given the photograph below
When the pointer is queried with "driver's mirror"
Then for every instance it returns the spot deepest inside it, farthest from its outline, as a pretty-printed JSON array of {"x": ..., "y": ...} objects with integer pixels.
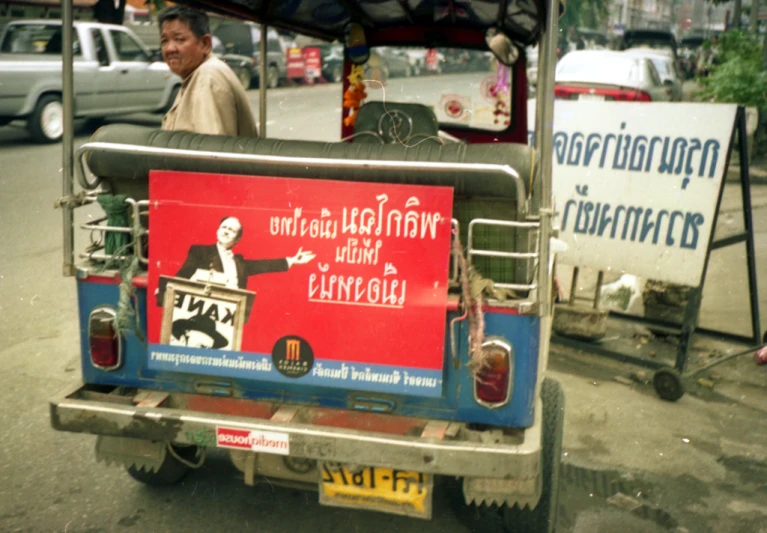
[
  {"x": 357, "y": 49},
  {"x": 501, "y": 46}
]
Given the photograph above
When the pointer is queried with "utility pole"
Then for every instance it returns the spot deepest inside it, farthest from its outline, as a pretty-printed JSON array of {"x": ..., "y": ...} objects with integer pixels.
[{"x": 736, "y": 11}]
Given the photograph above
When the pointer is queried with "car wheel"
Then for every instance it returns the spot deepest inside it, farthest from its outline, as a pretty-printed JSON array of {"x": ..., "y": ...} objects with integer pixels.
[
  {"x": 337, "y": 74},
  {"x": 243, "y": 74},
  {"x": 273, "y": 77},
  {"x": 46, "y": 125},
  {"x": 543, "y": 517}
]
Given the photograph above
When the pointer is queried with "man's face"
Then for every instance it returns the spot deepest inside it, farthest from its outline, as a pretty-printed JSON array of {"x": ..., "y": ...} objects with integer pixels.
[
  {"x": 229, "y": 232},
  {"x": 193, "y": 339},
  {"x": 181, "y": 49}
]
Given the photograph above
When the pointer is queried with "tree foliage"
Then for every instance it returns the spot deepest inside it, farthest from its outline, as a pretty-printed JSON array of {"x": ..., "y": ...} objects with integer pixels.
[
  {"x": 584, "y": 13},
  {"x": 737, "y": 77}
]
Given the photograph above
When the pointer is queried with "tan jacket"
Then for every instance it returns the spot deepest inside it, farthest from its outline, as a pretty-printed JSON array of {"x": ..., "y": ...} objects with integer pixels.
[{"x": 212, "y": 101}]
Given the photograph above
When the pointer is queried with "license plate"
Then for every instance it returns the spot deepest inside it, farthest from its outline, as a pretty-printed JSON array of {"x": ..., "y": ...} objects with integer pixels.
[
  {"x": 591, "y": 97},
  {"x": 378, "y": 489}
]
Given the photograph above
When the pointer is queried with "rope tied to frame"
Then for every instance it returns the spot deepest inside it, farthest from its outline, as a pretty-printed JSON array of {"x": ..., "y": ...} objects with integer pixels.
[
  {"x": 116, "y": 209},
  {"x": 122, "y": 249},
  {"x": 474, "y": 288},
  {"x": 472, "y": 301}
]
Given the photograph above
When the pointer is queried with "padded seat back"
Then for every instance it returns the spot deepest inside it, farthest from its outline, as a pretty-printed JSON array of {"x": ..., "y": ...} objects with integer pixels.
[
  {"x": 486, "y": 195},
  {"x": 391, "y": 122}
]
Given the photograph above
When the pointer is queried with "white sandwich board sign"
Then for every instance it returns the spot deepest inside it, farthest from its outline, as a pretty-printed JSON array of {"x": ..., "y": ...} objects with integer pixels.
[{"x": 636, "y": 185}]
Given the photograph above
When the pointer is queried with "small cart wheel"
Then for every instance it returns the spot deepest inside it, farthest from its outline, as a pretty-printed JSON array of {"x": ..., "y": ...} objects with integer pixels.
[{"x": 668, "y": 384}]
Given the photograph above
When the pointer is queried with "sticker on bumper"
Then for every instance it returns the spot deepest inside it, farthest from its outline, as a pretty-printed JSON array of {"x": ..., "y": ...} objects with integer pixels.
[{"x": 253, "y": 440}]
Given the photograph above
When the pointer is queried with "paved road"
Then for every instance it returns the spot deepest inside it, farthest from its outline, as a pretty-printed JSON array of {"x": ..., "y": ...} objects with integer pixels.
[{"x": 50, "y": 482}]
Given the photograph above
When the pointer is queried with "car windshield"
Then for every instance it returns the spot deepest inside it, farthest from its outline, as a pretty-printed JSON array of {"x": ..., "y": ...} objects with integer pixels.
[{"x": 462, "y": 87}]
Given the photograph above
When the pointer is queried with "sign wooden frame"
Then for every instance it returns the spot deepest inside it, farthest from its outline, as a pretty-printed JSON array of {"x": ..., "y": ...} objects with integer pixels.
[{"x": 173, "y": 286}]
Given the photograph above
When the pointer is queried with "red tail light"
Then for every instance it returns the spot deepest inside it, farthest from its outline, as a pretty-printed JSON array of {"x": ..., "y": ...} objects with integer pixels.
[
  {"x": 492, "y": 384},
  {"x": 565, "y": 92},
  {"x": 642, "y": 96},
  {"x": 105, "y": 345}
]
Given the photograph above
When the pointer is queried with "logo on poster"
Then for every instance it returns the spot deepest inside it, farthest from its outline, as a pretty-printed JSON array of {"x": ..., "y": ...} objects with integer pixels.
[{"x": 292, "y": 357}]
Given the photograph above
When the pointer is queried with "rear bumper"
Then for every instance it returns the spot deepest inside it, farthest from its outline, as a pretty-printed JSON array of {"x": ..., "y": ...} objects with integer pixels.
[{"x": 404, "y": 443}]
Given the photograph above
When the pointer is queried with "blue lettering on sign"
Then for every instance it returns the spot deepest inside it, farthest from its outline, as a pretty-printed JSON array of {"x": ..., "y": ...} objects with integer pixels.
[
  {"x": 631, "y": 223},
  {"x": 675, "y": 156},
  {"x": 324, "y": 373}
]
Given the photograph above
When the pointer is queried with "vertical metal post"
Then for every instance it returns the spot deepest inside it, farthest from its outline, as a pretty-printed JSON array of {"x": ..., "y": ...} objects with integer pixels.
[
  {"x": 574, "y": 285},
  {"x": 692, "y": 310},
  {"x": 262, "y": 83},
  {"x": 67, "y": 85},
  {"x": 544, "y": 135},
  {"x": 598, "y": 294},
  {"x": 754, "y": 19},
  {"x": 748, "y": 224},
  {"x": 736, "y": 14}
]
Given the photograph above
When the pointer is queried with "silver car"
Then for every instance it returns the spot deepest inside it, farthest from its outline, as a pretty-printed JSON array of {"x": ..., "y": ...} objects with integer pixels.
[
  {"x": 608, "y": 75},
  {"x": 667, "y": 69}
]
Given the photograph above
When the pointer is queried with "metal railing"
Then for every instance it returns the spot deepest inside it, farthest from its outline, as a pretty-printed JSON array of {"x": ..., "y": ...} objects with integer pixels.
[
  {"x": 99, "y": 228},
  {"x": 471, "y": 252}
]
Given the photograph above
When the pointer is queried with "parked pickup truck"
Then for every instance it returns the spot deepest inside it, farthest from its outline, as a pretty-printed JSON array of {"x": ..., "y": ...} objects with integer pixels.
[{"x": 114, "y": 73}]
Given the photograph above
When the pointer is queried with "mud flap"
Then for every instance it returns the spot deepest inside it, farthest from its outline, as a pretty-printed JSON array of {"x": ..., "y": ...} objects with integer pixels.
[
  {"x": 128, "y": 452},
  {"x": 494, "y": 491}
]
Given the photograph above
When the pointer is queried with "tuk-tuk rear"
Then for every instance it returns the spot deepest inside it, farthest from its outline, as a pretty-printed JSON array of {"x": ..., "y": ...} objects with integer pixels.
[{"x": 385, "y": 315}]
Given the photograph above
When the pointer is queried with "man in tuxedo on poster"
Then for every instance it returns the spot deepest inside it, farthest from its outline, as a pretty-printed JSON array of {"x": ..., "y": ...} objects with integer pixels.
[{"x": 218, "y": 264}]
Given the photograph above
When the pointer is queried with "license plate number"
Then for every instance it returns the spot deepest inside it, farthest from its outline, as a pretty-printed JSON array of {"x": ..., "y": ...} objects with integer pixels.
[
  {"x": 591, "y": 97},
  {"x": 378, "y": 489}
]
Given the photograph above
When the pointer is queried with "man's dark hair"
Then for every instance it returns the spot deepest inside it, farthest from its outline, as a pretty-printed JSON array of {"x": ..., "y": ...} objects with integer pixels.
[{"x": 196, "y": 20}]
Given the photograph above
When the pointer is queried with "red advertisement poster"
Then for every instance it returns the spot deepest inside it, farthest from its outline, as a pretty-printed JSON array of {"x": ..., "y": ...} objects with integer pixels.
[
  {"x": 313, "y": 62},
  {"x": 295, "y": 63},
  {"x": 299, "y": 281}
]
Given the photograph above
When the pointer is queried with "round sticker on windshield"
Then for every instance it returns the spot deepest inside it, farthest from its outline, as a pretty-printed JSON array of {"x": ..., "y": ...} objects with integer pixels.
[{"x": 455, "y": 107}]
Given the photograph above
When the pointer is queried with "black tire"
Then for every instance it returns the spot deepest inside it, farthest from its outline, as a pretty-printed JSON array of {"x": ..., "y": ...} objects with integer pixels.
[
  {"x": 337, "y": 74},
  {"x": 171, "y": 470},
  {"x": 272, "y": 77},
  {"x": 543, "y": 518},
  {"x": 243, "y": 74},
  {"x": 94, "y": 123},
  {"x": 668, "y": 384},
  {"x": 46, "y": 125}
]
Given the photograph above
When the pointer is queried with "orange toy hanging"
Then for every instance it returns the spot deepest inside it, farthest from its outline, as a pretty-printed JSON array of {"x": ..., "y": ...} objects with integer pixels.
[{"x": 354, "y": 94}]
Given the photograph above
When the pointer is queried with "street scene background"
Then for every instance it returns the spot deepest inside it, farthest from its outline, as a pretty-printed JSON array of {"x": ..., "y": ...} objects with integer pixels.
[{"x": 631, "y": 462}]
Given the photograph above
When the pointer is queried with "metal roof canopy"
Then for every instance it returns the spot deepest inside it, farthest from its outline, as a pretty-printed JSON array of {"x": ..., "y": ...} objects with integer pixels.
[{"x": 521, "y": 20}]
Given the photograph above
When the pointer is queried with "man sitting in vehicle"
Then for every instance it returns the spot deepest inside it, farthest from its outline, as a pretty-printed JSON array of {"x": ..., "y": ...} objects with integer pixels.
[{"x": 211, "y": 99}]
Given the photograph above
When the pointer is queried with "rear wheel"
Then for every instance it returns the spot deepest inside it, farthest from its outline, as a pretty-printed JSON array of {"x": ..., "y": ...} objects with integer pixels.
[
  {"x": 46, "y": 125},
  {"x": 543, "y": 518},
  {"x": 171, "y": 471},
  {"x": 243, "y": 74},
  {"x": 337, "y": 74},
  {"x": 272, "y": 77}
]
